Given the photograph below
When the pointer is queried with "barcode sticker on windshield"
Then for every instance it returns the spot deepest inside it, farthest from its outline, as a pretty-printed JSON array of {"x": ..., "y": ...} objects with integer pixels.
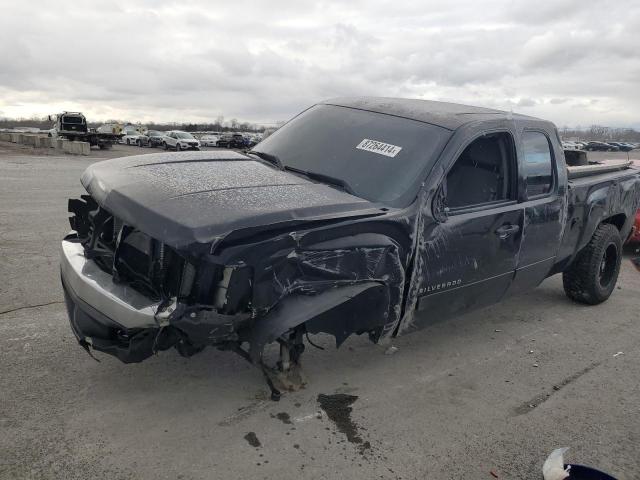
[{"x": 374, "y": 146}]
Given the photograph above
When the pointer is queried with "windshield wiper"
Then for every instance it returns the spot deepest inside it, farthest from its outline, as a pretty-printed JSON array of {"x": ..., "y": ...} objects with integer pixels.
[
  {"x": 321, "y": 177},
  {"x": 268, "y": 157}
]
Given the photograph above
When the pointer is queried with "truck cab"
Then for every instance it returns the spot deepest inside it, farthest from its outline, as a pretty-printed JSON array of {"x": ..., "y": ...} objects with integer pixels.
[{"x": 70, "y": 125}]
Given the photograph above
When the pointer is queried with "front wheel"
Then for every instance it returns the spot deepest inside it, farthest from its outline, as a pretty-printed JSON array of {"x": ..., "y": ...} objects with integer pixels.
[
  {"x": 164, "y": 144},
  {"x": 178, "y": 147},
  {"x": 593, "y": 274}
]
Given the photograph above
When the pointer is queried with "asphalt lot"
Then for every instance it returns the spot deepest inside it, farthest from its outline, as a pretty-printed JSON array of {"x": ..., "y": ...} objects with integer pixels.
[{"x": 459, "y": 400}]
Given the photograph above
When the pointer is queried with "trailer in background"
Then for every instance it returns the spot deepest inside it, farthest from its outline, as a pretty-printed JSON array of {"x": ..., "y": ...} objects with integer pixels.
[{"x": 73, "y": 126}]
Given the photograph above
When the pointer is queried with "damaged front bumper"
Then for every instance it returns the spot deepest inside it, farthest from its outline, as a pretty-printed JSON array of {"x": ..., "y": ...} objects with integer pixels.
[{"x": 118, "y": 320}]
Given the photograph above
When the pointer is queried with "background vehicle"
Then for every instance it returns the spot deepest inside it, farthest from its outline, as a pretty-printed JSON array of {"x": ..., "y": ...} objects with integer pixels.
[
  {"x": 600, "y": 147},
  {"x": 399, "y": 212},
  {"x": 152, "y": 138},
  {"x": 235, "y": 140},
  {"x": 623, "y": 147},
  {"x": 114, "y": 128},
  {"x": 131, "y": 136},
  {"x": 209, "y": 140},
  {"x": 180, "y": 141},
  {"x": 571, "y": 146},
  {"x": 73, "y": 126}
]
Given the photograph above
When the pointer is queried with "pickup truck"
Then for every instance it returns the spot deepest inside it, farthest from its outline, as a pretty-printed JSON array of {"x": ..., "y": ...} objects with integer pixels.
[{"x": 368, "y": 216}]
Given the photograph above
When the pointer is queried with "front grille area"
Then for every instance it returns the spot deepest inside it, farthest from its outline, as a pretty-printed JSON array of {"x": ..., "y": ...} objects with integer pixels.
[{"x": 131, "y": 256}]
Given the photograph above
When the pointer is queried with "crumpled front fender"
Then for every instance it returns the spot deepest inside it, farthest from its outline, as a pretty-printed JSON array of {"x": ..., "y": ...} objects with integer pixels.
[{"x": 339, "y": 311}]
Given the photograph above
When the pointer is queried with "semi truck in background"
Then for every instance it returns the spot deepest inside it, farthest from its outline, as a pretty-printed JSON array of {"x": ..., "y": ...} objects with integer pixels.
[{"x": 73, "y": 126}]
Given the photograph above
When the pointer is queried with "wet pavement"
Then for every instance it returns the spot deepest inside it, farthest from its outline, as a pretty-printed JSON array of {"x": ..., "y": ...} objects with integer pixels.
[{"x": 459, "y": 399}]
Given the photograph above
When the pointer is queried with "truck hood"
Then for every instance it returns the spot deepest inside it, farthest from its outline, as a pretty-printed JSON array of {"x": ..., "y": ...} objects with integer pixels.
[{"x": 200, "y": 197}]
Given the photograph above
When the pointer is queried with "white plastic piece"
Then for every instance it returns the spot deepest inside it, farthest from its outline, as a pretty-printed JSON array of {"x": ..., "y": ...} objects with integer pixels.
[{"x": 553, "y": 468}]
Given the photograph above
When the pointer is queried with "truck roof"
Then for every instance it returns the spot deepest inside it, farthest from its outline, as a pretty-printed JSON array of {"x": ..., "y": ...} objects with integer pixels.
[{"x": 443, "y": 114}]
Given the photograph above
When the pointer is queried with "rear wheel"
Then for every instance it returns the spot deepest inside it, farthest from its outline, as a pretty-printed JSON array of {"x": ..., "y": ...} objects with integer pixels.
[{"x": 594, "y": 273}]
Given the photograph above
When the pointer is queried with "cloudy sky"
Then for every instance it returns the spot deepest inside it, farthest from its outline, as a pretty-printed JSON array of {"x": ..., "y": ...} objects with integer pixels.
[{"x": 573, "y": 62}]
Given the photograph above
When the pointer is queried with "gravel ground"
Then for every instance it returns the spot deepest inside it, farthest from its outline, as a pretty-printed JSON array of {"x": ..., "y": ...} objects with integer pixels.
[{"x": 494, "y": 391}]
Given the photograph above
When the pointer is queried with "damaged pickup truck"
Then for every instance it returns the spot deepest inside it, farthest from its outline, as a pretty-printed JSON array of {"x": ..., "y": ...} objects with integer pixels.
[{"x": 359, "y": 216}]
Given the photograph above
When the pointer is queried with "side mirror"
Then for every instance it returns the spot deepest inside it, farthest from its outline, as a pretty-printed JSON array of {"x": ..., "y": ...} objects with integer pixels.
[{"x": 440, "y": 209}]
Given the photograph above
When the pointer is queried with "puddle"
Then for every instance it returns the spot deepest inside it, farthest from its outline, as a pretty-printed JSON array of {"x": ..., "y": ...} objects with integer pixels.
[
  {"x": 338, "y": 409},
  {"x": 252, "y": 439}
]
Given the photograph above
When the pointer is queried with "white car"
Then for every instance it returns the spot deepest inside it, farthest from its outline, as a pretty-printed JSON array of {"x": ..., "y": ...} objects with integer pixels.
[
  {"x": 131, "y": 137},
  {"x": 209, "y": 140},
  {"x": 571, "y": 146},
  {"x": 180, "y": 141}
]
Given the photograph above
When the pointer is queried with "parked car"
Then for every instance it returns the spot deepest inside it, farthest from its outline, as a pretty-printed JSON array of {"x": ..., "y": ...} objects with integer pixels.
[
  {"x": 131, "y": 137},
  {"x": 571, "y": 146},
  {"x": 209, "y": 140},
  {"x": 398, "y": 213},
  {"x": 151, "y": 138},
  {"x": 601, "y": 147},
  {"x": 179, "y": 140},
  {"x": 235, "y": 140},
  {"x": 623, "y": 147}
]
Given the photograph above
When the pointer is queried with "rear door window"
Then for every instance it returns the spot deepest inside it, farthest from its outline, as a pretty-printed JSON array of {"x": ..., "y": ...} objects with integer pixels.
[
  {"x": 537, "y": 163},
  {"x": 483, "y": 174}
]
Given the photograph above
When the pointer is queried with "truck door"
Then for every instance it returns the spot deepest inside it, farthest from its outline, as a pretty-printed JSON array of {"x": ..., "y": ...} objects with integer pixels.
[
  {"x": 469, "y": 254},
  {"x": 544, "y": 202}
]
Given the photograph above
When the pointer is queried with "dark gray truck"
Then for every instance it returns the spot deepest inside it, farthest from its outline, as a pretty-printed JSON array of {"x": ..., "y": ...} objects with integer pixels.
[{"x": 360, "y": 215}]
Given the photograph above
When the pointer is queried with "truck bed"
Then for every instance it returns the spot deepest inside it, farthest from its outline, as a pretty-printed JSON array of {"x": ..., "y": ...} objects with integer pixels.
[
  {"x": 594, "y": 196},
  {"x": 597, "y": 168}
]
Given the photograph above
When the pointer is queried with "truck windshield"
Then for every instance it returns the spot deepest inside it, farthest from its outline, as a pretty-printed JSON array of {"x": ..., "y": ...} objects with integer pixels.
[
  {"x": 383, "y": 158},
  {"x": 74, "y": 120}
]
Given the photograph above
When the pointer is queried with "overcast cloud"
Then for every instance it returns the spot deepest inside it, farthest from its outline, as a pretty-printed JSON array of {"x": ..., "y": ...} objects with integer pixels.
[{"x": 573, "y": 62}]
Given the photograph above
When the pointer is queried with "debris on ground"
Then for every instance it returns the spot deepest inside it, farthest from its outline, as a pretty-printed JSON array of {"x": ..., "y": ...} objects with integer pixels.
[
  {"x": 618, "y": 354},
  {"x": 536, "y": 365},
  {"x": 391, "y": 350},
  {"x": 553, "y": 467}
]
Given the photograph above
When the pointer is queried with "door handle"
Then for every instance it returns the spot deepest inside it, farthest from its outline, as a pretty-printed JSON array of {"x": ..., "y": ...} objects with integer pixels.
[{"x": 506, "y": 231}]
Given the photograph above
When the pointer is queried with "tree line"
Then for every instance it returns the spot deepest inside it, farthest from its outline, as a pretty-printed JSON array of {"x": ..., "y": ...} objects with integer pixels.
[{"x": 601, "y": 134}]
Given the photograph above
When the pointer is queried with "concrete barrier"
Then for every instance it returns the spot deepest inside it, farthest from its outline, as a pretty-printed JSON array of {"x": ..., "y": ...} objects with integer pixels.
[
  {"x": 40, "y": 141},
  {"x": 76, "y": 148}
]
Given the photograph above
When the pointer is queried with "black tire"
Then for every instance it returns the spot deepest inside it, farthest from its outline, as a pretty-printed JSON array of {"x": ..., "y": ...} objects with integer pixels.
[
  {"x": 128, "y": 142},
  {"x": 593, "y": 274},
  {"x": 178, "y": 147},
  {"x": 164, "y": 144}
]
